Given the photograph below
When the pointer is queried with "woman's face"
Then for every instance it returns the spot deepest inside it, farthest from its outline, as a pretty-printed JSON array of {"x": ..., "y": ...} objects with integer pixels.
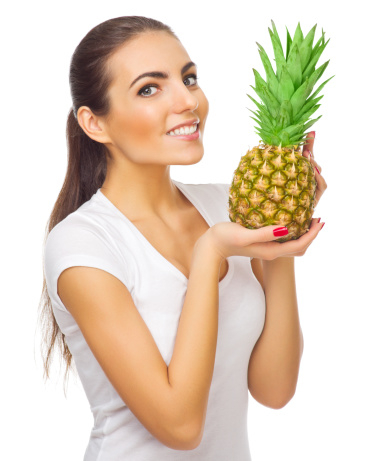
[{"x": 156, "y": 103}]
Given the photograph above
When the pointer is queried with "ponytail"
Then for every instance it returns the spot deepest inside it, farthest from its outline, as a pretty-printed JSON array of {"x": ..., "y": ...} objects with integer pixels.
[{"x": 86, "y": 172}]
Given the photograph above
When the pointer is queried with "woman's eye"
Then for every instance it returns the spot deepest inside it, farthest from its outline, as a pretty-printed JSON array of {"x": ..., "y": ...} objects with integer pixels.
[
  {"x": 190, "y": 80},
  {"x": 148, "y": 90}
]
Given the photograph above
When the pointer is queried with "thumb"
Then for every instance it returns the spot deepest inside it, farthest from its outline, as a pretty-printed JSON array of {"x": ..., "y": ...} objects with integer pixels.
[{"x": 269, "y": 233}]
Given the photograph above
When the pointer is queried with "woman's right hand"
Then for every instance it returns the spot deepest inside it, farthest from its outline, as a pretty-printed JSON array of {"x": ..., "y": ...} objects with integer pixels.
[{"x": 233, "y": 239}]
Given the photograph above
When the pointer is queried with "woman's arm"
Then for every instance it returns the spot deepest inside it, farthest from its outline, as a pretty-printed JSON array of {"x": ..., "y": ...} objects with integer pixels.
[
  {"x": 169, "y": 401},
  {"x": 275, "y": 360}
]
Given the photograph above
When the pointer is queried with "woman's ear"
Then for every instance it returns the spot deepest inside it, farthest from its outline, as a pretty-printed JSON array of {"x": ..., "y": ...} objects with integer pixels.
[{"x": 92, "y": 125}]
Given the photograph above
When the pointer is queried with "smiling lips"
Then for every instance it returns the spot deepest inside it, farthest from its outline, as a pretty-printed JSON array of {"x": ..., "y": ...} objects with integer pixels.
[{"x": 185, "y": 129}]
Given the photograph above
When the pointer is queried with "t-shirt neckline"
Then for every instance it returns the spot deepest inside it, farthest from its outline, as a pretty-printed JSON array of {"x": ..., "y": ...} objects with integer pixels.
[{"x": 197, "y": 204}]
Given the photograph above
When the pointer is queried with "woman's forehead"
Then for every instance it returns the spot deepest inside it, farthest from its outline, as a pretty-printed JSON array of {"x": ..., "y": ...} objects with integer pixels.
[{"x": 148, "y": 52}]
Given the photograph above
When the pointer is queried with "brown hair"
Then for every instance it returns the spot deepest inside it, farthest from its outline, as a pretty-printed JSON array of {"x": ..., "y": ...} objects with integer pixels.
[{"x": 86, "y": 168}]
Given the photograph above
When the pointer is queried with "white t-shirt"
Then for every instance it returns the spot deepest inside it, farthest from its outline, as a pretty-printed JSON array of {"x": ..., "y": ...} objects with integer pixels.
[{"x": 99, "y": 235}]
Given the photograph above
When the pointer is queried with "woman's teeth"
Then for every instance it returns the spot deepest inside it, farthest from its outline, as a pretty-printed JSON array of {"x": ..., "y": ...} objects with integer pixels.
[{"x": 184, "y": 130}]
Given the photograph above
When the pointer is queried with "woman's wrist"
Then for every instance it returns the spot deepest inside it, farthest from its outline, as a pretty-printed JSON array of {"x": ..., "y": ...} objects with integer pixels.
[
  {"x": 283, "y": 262},
  {"x": 206, "y": 245}
]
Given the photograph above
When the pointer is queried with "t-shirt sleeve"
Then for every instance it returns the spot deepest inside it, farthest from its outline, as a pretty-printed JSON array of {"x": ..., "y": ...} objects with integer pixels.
[{"x": 70, "y": 245}]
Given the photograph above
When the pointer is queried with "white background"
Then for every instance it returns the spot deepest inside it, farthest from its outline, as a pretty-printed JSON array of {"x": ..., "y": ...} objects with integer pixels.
[{"x": 330, "y": 416}]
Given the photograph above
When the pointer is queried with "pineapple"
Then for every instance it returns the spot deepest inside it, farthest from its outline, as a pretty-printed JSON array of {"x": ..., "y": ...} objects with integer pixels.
[{"x": 274, "y": 184}]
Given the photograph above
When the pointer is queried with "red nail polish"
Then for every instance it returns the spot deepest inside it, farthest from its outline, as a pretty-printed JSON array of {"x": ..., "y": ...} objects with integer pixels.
[
  {"x": 319, "y": 220},
  {"x": 322, "y": 226},
  {"x": 317, "y": 170},
  {"x": 280, "y": 232}
]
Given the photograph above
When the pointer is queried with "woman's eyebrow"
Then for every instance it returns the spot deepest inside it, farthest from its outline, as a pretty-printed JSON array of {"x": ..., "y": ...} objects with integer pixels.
[{"x": 158, "y": 74}]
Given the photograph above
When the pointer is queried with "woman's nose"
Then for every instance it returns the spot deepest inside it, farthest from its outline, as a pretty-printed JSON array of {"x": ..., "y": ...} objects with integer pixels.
[{"x": 184, "y": 99}]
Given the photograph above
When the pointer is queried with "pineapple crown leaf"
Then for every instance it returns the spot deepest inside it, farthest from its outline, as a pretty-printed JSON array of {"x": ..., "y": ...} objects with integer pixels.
[
  {"x": 278, "y": 52},
  {"x": 264, "y": 93},
  {"x": 289, "y": 44},
  {"x": 285, "y": 114},
  {"x": 306, "y": 115},
  {"x": 309, "y": 104},
  {"x": 320, "y": 87},
  {"x": 294, "y": 66},
  {"x": 286, "y": 87},
  {"x": 306, "y": 48},
  {"x": 314, "y": 59},
  {"x": 272, "y": 81},
  {"x": 287, "y": 100},
  {"x": 298, "y": 37}
]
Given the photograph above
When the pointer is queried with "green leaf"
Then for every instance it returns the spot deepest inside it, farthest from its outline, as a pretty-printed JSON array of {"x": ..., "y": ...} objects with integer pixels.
[
  {"x": 298, "y": 37},
  {"x": 264, "y": 93},
  {"x": 262, "y": 125},
  {"x": 296, "y": 141},
  {"x": 294, "y": 129},
  {"x": 286, "y": 87},
  {"x": 275, "y": 32},
  {"x": 261, "y": 107},
  {"x": 310, "y": 103},
  {"x": 289, "y": 43},
  {"x": 320, "y": 42},
  {"x": 306, "y": 48},
  {"x": 283, "y": 139},
  {"x": 266, "y": 133},
  {"x": 300, "y": 96},
  {"x": 308, "y": 114},
  {"x": 278, "y": 52},
  {"x": 255, "y": 119},
  {"x": 311, "y": 123},
  {"x": 314, "y": 59},
  {"x": 294, "y": 66},
  {"x": 319, "y": 88},
  {"x": 266, "y": 137},
  {"x": 315, "y": 76},
  {"x": 272, "y": 81},
  {"x": 285, "y": 114},
  {"x": 269, "y": 138},
  {"x": 261, "y": 116}
]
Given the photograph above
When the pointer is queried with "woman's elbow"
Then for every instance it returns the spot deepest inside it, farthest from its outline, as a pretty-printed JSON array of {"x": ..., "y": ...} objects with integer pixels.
[
  {"x": 277, "y": 399},
  {"x": 186, "y": 436}
]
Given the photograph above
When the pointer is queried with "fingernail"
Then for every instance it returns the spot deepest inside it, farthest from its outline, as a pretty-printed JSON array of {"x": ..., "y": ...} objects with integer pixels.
[
  {"x": 280, "y": 231},
  {"x": 322, "y": 226},
  {"x": 319, "y": 220},
  {"x": 317, "y": 170}
]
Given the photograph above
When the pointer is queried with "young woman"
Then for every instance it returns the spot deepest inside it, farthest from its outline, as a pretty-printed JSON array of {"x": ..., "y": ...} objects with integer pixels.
[{"x": 170, "y": 311}]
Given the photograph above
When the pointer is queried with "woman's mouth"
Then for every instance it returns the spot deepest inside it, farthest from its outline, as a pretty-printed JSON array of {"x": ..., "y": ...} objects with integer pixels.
[{"x": 185, "y": 132}]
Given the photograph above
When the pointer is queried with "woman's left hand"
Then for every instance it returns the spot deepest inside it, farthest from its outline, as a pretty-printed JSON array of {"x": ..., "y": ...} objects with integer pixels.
[{"x": 308, "y": 152}]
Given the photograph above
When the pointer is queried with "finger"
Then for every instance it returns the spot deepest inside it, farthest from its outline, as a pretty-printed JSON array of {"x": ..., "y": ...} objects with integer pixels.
[
  {"x": 319, "y": 226},
  {"x": 309, "y": 145},
  {"x": 264, "y": 234},
  {"x": 299, "y": 245},
  {"x": 316, "y": 165},
  {"x": 320, "y": 188}
]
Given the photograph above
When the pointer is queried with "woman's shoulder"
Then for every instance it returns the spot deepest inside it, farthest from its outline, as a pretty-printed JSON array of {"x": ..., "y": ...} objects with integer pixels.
[
  {"x": 212, "y": 198},
  {"x": 88, "y": 218},
  {"x": 82, "y": 230},
  {"x": 219, "y": 191}
]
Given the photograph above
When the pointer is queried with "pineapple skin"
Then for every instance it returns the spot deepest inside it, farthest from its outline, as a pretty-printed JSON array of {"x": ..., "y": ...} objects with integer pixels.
[{"x": 273, "y": 185}]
